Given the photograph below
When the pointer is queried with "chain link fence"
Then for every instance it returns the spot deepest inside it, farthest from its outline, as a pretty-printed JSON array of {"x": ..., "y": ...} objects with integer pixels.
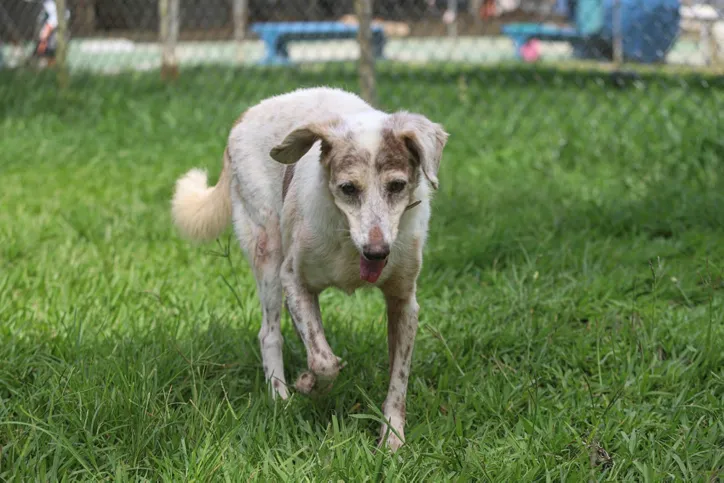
[
  {"x": 116, "y": 36},
  {"x": 524, "y": 65},
  {"x": 600, "y": 73},
  {"x": 529, "y": 62}
]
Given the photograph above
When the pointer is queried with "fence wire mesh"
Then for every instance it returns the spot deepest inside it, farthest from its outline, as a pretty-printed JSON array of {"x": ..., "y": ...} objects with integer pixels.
[
  {"x": 536, "y": 62},
  {"x": 547, "y": 79},
  {"x": 116, "y": 36},
  {"x": 440, "y": 56}
]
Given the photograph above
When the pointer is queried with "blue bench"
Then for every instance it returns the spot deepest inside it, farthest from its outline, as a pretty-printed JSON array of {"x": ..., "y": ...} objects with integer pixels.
[
  {"x": 521, "y": 33},
  {"x": 277, "y": 35}
]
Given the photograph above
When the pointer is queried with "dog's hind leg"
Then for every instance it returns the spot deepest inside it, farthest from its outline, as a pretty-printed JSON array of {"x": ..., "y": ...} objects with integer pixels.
[
  {"x": 263, "y": 248},
  {"x": 266, "y": 269}
]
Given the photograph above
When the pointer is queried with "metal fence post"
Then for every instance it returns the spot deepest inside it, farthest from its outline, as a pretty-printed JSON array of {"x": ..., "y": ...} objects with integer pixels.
[
  {"x": 366, "y": 66},
  {"x": 240, "y": 9},
  {"x": 168, "y": 16},
  {"x": 61, "y": 53}
]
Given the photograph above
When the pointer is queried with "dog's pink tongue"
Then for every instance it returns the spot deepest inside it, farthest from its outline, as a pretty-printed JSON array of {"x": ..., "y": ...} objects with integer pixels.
[{"x": 370, "y": 270}]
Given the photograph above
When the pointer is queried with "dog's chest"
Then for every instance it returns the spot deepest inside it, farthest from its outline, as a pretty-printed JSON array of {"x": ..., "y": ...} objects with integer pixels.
[{"x": 333, "y": 265}]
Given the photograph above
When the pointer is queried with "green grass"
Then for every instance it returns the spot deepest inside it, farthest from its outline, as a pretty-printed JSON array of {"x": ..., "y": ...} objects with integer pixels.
[{"x": 571, "y": 294}]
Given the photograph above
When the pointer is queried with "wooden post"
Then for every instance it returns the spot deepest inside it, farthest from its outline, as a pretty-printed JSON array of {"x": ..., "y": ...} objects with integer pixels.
[
  {"x": 85, "y": 17},
  {"x": 240, "y": 10},
  {"x": 474, "y": 7},
  {"x": 366, "y": 65},
  {"x": 61, "y": 36},
  {"x": 168, "y": 16},
  {"x": 313, "y": 13},
  {"x": 716, "y": 55},
  {"x": 617, "y": 34}
]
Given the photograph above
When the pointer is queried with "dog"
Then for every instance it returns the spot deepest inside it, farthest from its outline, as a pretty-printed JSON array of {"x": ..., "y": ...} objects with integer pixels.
[{"x": 324, "y": 191}]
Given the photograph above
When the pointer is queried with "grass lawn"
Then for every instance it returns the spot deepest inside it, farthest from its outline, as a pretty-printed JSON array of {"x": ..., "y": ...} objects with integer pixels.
[{"x": 571, "y": 300}]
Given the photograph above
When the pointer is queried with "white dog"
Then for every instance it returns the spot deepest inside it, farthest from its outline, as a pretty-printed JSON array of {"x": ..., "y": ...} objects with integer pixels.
[{"x": 324, "y": 191}]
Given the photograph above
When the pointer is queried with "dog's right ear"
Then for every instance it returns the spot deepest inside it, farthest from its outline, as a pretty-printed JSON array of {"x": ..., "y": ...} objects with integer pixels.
[{"x": 298, "y": 142}]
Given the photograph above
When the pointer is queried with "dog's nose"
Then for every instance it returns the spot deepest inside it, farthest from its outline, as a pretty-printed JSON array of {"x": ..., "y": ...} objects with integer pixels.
[{"x": 376, "y": 251}]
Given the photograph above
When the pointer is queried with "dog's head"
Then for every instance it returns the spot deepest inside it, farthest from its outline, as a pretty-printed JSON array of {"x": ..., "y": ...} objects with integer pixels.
[{"x": 374, "y": 166}]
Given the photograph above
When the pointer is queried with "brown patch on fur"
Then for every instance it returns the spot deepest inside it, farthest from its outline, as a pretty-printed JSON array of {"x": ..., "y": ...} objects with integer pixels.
[
  {"x": 261, "y": 254},
  {"x": 394, "y": 312},
  {"x": 412, "y": 130},
  {"x": 305, "y": 383},
  {"x": 313, "y": 344},
  {"x": 416, "y": 245},
  {"x": 401, "y": 406},
  {"x": 323, "y": 130},
  {"x": 393, "y": 155},
  {"x": 288, "y": 176},
  {"x": 348, "y": 160},
  {"x": 376, "y": 237}
]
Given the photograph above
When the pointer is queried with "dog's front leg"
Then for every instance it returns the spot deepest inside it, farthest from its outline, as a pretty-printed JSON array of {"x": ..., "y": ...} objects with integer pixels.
[
  {"x": 401, "y": 331},
  {"x": 303, "y": 306}
]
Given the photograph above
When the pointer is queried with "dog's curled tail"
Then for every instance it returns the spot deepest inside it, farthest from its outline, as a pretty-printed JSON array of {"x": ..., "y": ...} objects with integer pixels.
[{"x": 201, "y": 213}]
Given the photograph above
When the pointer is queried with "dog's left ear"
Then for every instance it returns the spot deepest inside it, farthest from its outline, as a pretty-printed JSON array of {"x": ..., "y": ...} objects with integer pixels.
[
  {"x": 424, "y": 139},
  {"x": 298, "y": 142}
]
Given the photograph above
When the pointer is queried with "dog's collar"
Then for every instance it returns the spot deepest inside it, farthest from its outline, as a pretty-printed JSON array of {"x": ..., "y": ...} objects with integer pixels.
[{"x": 412, "y": 205}]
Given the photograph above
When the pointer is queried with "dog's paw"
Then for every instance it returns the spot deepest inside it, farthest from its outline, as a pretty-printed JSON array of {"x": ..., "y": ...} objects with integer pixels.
[
  {"x": 305, "y": 382},
  {"x": 390, "y": 440},
  {"x": 392, "y": 444},
  {"x": 279, "y": 389},
  {"x": 320, "y": 378}
]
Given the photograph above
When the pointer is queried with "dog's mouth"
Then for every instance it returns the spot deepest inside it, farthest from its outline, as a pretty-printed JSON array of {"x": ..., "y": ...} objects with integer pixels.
[{"x": 370, "y": 270}]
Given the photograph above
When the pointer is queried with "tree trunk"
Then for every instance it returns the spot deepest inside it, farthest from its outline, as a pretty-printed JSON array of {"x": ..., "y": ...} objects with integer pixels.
[{"x": 240, "y": 11}]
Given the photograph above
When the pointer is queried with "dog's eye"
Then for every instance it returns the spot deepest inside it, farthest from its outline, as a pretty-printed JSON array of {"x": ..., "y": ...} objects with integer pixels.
[
  {"x": 348, "y": 189},
  {"x": 396, "y": 186}
]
